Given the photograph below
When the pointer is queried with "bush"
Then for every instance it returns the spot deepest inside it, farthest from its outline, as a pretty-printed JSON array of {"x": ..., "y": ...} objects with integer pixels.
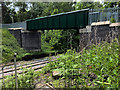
[
  {"x": 50, "y": 38},
  {"x": 112, "y": 20},
  {"x": 97, "y": 66},
  {"x": 10, "y": 46},
  {"x": 25, "y": 80},
  {"x": 59, "y": 39}
]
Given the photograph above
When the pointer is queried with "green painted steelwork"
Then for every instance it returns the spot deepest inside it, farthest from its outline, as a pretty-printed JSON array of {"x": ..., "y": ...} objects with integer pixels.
[{"x": 70, "y": 20}]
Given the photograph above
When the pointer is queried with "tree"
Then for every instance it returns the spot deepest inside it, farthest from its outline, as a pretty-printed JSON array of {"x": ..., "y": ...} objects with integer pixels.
[
  {"x": 6, "y": 17},
  {"x": 36, "y": 9},
  {"x": 57, "y": 7},
  {"x": 111, "y": 4},
  {"x": 86, "y": 5},
  {"x": 30, "y": 10},
  {"x": 22, "y": 12}
]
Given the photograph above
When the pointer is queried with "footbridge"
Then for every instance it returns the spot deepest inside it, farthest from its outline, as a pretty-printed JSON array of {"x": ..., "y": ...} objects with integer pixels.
[
  {"x": 30, "y": 39},
  {"x": 69, "y": 20}
]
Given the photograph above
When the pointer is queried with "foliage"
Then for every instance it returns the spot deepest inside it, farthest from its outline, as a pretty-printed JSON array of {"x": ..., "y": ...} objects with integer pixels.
[
  {"x": 30, "y": 10},
  {"x": 57, "y": 7},
  {"x": 50, "y": 39},
  {"x": 86, "y": 5},
  {"x": 110, "y": 4},
  {"x": 22, "y": 13},
  {"x": 6, "y": 13},
  {"x": 96, "y": 67},
  {"x": 36, "y": 9},
  {"x": 112, "y": 20},
  {"x": 25, "y": 80},
  {"x": 10, "y": 46},
  {"x": 59, "y": 39},
  {"x": 70, "y": 39}
]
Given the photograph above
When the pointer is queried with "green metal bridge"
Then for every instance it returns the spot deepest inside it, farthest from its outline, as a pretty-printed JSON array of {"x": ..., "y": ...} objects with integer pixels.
[{"x": 70, "y": 20}]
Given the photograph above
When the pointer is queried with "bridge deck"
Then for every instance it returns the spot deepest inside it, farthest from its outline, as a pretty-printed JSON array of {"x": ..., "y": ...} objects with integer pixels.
[{"x": 70, "y": 20}]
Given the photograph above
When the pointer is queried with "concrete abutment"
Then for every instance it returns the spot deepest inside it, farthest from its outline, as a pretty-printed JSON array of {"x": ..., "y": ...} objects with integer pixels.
[{"x": 29, "y": 40}]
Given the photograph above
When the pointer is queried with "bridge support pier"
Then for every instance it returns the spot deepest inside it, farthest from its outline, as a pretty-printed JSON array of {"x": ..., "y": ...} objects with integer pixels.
[{"x": 29, "y": 40}]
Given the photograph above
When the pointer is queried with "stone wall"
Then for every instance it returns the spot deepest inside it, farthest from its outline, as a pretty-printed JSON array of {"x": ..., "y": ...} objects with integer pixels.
[
  {"x": 115, "y": 27},
  {"x": 100, "y": 31},
  {"x": 84, "y": 40}
]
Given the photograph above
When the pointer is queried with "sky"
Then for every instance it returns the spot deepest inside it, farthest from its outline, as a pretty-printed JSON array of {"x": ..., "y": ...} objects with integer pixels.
[{"x": 16, "y": 8}]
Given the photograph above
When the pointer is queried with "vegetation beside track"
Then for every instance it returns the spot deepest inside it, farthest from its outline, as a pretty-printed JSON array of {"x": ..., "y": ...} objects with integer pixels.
[
  {"x": 96, "y": 67},
  {"x": 25, "y": 80},
  {"x": 11, "y": 46}
]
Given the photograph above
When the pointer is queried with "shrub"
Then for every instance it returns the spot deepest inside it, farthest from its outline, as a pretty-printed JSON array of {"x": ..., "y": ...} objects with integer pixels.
[
  {"x": 97, "y": 66},
  {"x": 112, "y": 20},
  {"x": 25, "y": 80},
  {"x": 10, "y": 46}
]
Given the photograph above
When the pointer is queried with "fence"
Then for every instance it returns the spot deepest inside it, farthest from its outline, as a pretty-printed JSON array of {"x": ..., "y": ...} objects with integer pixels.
[
  {"x": 15, "y": 25},
  {"x": 95, "y": 15}
]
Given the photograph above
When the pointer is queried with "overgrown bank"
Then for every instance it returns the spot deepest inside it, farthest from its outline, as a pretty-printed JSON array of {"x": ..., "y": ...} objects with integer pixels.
[
  {"x": 96, "y": 67},
  {"x": 10, "y": 46}
]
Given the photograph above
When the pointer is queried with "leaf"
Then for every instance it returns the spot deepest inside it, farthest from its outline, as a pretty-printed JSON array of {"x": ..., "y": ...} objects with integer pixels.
[
  {"x": 75, "y": 66},
  {"x": 61, "y": 63},
  {"x": 57, "y": 70},
  {"x": 115, "y": 72},
  {"x": 77, "y": 57},
  {"x": 110, "y": 59},
  {"x": 103, "y": 82}
]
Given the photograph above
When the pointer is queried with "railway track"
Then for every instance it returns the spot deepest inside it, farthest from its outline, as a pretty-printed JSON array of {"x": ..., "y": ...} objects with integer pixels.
[{"x": 36, "y": 65}]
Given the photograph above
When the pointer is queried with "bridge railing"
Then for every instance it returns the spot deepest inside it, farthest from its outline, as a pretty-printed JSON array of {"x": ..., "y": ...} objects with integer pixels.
[
  {"x": 15, "y": 25},
  {"x": 96, "y": 15}
]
